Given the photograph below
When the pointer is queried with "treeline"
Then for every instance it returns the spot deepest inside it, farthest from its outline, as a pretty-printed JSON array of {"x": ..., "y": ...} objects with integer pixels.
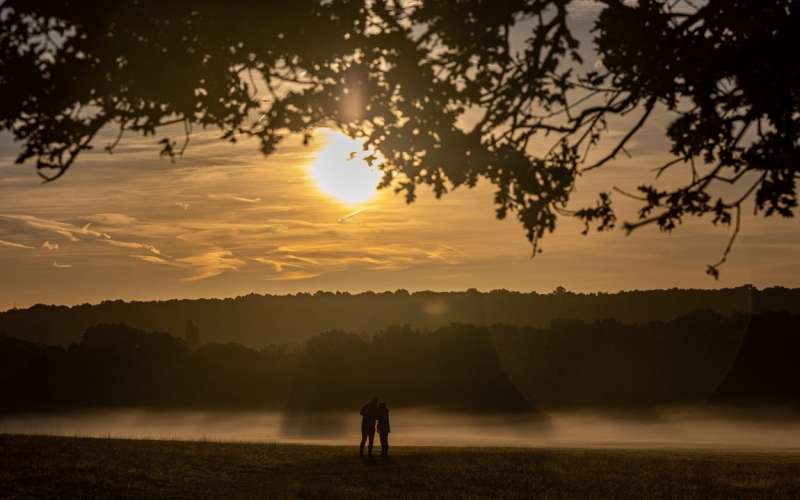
[
  {"x": 261, "y": 320},
  {"x": 696, "y": 358}
]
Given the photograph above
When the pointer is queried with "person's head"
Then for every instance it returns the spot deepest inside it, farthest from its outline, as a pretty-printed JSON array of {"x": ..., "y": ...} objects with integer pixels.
[{"x": 374, "y": 400}]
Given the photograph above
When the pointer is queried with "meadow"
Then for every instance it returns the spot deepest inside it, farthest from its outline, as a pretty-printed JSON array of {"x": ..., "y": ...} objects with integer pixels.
[{"x": 72, "y": 467}]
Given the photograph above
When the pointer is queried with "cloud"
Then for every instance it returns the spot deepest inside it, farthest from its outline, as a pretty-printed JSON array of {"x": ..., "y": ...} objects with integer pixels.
[
  {"x": 276, "y": 264},
  {"x": 111, "y": 219},
  {"x": 334, "y": 253},
  {"x": 300, "y": 223},
  {"x": 302, "y": 261},
  {"x": 202, "y": 266},
  {"x": 182, "y": 204},
  {"x": 134, "y": 246},
  {"x": 68, "y": 231},
  {"x": 210, "y": 264},
  {"x": 71, "y": 231},
  {"x": 233, "y": 197},
  {"x": 153, "y": 259},
  {"x": 61, "y": 266},
  {"x": 64, "y": 229},
  {"x": 11, "y": 244},
  {"x": 350, "y": 216},
  {"x": 67, "y": 234},
  {"x": 85, "y": 230},
  {"x": 294, "y": 276}
]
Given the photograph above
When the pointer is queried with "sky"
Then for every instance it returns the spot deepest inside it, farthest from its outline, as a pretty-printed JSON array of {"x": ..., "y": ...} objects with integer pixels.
[{"x": 224, "y": 221}]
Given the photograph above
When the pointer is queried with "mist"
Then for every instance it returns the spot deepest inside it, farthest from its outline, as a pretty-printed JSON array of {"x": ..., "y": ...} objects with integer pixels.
[{"x": 676, "y": 428}]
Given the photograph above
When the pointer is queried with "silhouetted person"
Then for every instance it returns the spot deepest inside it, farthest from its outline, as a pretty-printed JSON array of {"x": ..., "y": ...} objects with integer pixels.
[
  {"x": 369, "y": 415},
  {"x": 384, "y": 429}
]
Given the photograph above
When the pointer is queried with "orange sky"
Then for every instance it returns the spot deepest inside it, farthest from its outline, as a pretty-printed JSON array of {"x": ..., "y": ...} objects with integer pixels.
[{"x": 225, "y": 221}]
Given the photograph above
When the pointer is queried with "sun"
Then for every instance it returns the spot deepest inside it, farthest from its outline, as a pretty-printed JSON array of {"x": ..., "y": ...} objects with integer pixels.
[{"x": 342, "y": 175}]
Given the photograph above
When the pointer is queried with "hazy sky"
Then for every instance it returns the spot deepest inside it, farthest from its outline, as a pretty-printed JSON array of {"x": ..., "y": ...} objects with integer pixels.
[{"x": 225, "y": 221}]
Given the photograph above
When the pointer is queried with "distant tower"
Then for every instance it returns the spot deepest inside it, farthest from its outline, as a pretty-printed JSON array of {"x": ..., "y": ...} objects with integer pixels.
[{"x": 192, "y": 335}]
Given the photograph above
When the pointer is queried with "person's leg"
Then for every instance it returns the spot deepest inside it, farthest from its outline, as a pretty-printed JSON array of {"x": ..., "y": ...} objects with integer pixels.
[
  {"x": 371, "y": 440},
  {"x": 363, "y": 441},
  {"x": 385, "y": 444}
]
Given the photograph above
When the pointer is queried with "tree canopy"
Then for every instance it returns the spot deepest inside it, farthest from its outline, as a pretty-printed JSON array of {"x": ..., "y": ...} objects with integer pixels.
[
  {"x": 445, "y": 92},
  {"x": 700, "y": 357}
]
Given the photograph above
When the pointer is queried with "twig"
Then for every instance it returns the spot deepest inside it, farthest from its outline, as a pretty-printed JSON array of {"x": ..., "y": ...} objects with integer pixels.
[
  {"x": 713, "y": 269},
  {"x": 621, "y": 146}
]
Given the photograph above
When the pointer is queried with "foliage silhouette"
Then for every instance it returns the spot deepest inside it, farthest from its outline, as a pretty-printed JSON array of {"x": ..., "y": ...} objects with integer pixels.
[
  {"x": 766, "y": 368},
  {"x": 571, "y": 364},
  {"x": 260, "y": 320},
  {"x": 443, "y": 91}
]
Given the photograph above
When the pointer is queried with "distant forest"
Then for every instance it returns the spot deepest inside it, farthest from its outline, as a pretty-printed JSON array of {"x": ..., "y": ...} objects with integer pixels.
[
  {"x": 698, "y": 358},
  {"x": 261, "y": 320}
]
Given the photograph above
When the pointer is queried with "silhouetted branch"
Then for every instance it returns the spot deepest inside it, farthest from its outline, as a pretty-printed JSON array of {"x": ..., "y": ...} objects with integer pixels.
[
  {"x": 648, "y": 109},
  {"x": 713, "y": 269},
  {"x": 110, "y": 147}
]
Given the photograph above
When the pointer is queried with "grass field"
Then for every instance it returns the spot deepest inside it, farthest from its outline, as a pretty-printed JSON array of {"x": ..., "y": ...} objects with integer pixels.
[{"x": 54, "y": 467}]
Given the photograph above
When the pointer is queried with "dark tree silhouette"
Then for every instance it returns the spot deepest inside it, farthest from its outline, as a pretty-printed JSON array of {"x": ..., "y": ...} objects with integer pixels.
[
  {"x": 702, "y": 356},
  {"x": 444, "y": 90},
  {"x": 257, "y": 321}
]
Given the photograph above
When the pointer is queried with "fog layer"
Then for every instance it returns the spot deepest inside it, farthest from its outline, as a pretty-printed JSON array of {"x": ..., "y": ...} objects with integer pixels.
[{"x": 675, "y": 428}]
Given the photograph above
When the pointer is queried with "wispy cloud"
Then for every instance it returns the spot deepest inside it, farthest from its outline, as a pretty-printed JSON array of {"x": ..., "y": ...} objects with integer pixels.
[
  {"x": 277, "y": 265},
  {"x": 64, "y": 229},
  {"x": 88, "y": 232},
  {"x": 294, "y": 276},
  {"x": 201, "y": 266},
  {"x": 11, "y": 244},
  {"x": 153, "y": 259},
  {"x": 71, "y": 231},
  {"x": 210, "y": 264},
  {"x": 233, "y": 197},
  {"x": 301, "y": 261},
  {"x": 111, "y": 219},
  {"x": 133, "y": 245},
  {"x": 305, "y": 260},
  {"x": 349, "y": 216}
]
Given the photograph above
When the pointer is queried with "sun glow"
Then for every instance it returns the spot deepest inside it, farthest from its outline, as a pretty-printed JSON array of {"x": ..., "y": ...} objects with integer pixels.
[{"x": 340, "y": 170}]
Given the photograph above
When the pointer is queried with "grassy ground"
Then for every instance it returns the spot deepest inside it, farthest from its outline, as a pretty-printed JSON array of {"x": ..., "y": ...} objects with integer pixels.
[{"x": 52, "y": 467}]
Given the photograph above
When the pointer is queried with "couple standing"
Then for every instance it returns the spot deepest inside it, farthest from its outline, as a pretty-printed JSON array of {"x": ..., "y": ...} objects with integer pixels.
[{"x": 373, "y": 413}]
